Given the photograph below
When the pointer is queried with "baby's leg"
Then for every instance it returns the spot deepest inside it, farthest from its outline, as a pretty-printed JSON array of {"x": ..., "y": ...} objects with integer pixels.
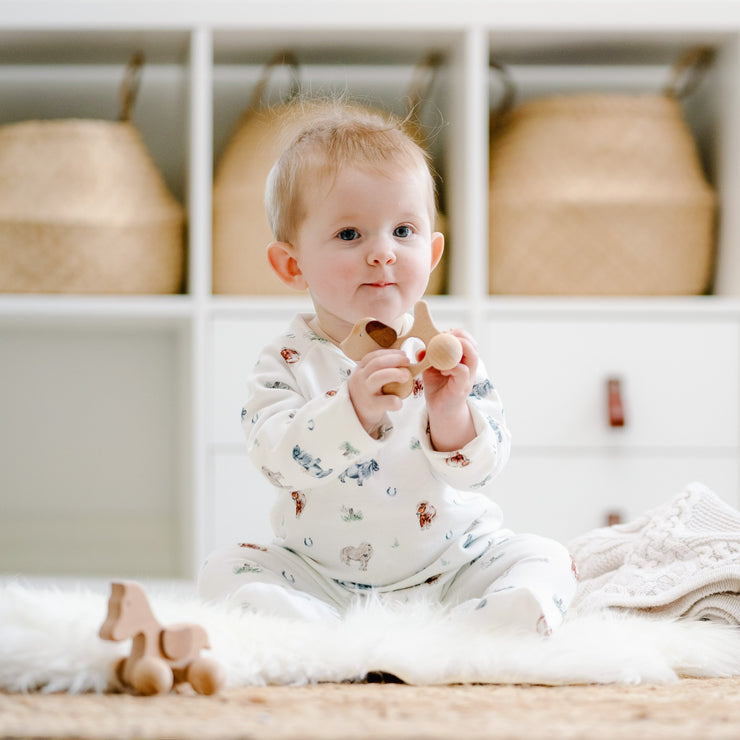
[
  {"x": 270, "y": 580},
  {"x": 521, "y": 580}
]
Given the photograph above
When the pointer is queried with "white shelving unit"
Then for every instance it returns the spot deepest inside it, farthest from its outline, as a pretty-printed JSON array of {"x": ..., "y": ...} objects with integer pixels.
[{"x": 120, "y": 446}]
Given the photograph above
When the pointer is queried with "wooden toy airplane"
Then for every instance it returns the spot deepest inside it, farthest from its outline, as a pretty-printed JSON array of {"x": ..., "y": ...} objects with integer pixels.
[{"x": 443, "y": 349}]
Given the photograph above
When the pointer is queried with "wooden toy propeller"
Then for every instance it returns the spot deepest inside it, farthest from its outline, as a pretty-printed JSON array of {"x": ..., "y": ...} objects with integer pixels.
[{"x": 443, "y": 350}]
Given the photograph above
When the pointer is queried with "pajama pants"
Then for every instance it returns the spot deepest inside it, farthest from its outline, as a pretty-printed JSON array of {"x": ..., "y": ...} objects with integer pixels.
[{"x": 521, "y": 581}]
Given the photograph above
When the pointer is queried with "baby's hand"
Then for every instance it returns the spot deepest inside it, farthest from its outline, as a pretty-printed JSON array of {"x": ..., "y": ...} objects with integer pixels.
[
  {"x": 446, "y": 393},
  {"x": 366, "y": 382}
]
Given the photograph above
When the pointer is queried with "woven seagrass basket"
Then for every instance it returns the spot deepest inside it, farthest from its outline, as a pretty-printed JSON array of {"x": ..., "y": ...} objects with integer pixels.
[
  {"x": 83, "y": 208},
  {"x": 599, "y": 195},
  {"x": 241, "y": 231}
]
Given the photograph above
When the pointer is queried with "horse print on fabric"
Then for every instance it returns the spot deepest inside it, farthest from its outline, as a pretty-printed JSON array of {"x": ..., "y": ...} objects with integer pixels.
[
  {"x": 360, "y": 471},
  {"x": 309, "y": 463},
  {"x": 290, "y": 356},
  {"x": 425, "y": 512},
  {"x": 361, "y": 554},
  {"x": 300, "y": 502}
]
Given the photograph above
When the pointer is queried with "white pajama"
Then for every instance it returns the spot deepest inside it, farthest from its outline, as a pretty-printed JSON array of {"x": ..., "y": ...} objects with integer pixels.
[
  {"x": 521, "y": 580},
  {"x": 390, "y": 514}
]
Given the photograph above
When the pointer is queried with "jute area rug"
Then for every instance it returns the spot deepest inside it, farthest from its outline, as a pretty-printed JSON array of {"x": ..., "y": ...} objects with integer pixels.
[{"x": 690, "y": 708}]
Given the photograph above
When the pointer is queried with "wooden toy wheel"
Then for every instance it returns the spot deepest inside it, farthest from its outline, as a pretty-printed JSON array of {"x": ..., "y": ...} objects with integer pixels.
[
  {"x": 152, "y": 676},
  {"x": 120, "y": 669},
  {"x": 206, "y": 676}
]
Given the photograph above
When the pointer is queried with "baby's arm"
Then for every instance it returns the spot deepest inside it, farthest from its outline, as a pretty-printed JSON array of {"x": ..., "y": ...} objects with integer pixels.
[
  {"x": 467, "y": 441},
  {"x": 300, "y": 438},
  {"x": 451, "y": 424}
]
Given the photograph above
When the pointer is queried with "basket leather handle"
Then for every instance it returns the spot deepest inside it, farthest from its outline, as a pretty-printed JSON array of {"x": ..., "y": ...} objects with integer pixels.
[
  {"x": 615, "y": 405},
  {"x": 688, "y": 71},
  {"x": 280, "y": 59},
  {"x": 508, "y": 94},
  {"x": 686, "y": 75},
  {"x": 130, "y": 86},
  {"x": 421, "y": 83},
  {"x": 425, "y": 73}
]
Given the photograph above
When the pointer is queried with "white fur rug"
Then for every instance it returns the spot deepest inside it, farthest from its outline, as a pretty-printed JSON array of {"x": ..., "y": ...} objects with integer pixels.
[{"x": 49, "y": 642}]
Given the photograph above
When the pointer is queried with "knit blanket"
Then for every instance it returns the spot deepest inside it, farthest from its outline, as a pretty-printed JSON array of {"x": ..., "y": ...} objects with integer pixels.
[{"x": 680, "y": 559}]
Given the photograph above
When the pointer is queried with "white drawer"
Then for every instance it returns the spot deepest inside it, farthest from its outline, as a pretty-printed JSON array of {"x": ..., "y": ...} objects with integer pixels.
[
  {"x": 679, "y": 382},
  {"x": 565, "y": 496},
  {"x": 240, "y": 502},
  {"x": 235, "y": 347}
]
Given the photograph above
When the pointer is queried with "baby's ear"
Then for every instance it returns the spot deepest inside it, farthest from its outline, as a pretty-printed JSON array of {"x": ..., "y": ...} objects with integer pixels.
[
  {"x": 281, "y": 256},
  {"x": 438, "y": 246}
]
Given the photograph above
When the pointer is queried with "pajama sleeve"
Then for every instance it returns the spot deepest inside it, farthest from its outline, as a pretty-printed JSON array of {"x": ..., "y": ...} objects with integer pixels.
[
  {"x": 298, "y": 435},
  {"x": 474, "y": 466}
]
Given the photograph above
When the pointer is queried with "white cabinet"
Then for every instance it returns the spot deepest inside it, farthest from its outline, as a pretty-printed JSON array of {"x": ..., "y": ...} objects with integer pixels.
[
  {"x": 571, "y": 468},
  {"x": 120, "y": 446},
  {"x": 90, "y": 477}
]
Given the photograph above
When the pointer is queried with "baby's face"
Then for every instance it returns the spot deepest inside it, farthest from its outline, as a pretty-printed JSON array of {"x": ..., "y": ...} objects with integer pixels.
[{"x": 366, "y": 247}]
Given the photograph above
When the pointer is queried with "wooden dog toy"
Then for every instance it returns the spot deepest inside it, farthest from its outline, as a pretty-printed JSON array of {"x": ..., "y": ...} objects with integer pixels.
[
  {"x": 443, "y": 349},
  {"x": 160, "y": 656}
]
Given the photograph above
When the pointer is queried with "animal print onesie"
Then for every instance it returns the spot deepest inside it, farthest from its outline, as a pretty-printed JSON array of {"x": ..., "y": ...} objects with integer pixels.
[{"x": 391, "y": 515}]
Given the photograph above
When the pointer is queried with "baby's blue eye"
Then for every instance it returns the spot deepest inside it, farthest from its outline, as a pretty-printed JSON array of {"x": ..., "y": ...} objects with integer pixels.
[
  {"x": 402, "y": 232},
  {"x": 348, "y": 235}
]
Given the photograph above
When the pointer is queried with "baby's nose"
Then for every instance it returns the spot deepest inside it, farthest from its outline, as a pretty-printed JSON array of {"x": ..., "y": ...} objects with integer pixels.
[{"x": 381, "y": 252}]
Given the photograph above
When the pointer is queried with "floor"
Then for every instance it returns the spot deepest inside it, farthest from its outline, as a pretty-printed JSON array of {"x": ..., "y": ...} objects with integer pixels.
[{"x": 698, "y": 709}]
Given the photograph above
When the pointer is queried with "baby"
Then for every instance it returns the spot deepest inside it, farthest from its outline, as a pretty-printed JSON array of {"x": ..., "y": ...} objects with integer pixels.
[{"x": 375, "y": 493}]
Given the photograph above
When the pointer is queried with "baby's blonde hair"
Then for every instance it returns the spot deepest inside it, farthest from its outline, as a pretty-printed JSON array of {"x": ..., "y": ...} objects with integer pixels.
[{"x": 336, "y": 135}]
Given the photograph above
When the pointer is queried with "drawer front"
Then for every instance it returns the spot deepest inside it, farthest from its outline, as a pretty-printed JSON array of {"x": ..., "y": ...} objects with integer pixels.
[
  {"x": 566, "y": 496},
  {"x": 240, "y": 502},
  {"x": 235, "y": 347},
  {"x": 679, "y": 382}
]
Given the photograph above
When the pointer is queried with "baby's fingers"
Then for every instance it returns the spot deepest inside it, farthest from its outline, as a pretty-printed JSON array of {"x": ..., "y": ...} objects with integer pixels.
[
  {"x": 383, "y": 358},
  {"x": 470, "y": 350},
  {"x": 464, "y": 335},
  {"x": 383, "y": 377}
]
